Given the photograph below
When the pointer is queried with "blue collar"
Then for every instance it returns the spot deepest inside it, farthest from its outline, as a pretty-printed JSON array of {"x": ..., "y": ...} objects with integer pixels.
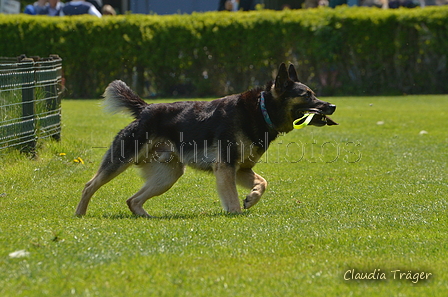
[{"x": 265, "y": 112}]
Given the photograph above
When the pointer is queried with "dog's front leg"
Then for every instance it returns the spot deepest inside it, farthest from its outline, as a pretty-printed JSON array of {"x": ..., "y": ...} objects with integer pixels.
[
  {"x": 249, "y": 179},
  {"x": 226, "y": 184}
]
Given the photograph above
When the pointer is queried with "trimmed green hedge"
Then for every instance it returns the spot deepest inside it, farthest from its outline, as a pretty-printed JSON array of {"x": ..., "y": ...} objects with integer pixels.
[{"x": 371, "y": 51}]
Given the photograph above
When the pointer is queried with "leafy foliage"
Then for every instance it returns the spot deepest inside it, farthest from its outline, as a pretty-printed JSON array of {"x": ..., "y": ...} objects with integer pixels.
[{"x": 372, "y": 51}]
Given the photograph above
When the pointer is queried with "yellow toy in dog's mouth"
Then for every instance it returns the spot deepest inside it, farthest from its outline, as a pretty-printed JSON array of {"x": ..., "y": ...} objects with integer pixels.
[
  {"x": 303, "y": 121},
  {"x": 313, "y": 117}
]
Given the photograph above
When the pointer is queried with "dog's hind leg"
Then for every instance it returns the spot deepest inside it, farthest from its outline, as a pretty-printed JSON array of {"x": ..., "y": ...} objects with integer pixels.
[
  {"x": 249, "y": 179},
  {"x": 226, "y": 184},
  {"x": 108, "y": 170},
  {"x": 124, "y": 151},
  {"x": 160, "y": 177}
]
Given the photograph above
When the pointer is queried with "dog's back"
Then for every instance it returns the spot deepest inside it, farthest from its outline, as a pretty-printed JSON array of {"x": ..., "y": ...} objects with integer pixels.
[{"x": 198, "y": 133}]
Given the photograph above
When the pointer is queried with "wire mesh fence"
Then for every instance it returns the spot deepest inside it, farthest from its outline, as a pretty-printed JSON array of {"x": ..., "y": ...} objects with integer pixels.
[{"x": 30, "y": 105}]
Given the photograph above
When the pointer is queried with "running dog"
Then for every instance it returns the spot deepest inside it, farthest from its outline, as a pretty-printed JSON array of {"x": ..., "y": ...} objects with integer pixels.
[{"x": 226, "y": 136}]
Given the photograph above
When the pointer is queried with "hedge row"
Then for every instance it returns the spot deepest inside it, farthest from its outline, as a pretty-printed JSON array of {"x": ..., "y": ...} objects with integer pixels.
[{"x": 354, "y": 50}]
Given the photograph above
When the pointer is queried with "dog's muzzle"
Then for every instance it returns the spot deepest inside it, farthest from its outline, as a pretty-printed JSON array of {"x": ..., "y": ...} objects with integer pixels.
[
  {"x": 330, "y": 109},
  {"x": 321, "y": 116}
]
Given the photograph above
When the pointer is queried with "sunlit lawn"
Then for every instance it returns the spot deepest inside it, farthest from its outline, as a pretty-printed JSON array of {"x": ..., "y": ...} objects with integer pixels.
[{"x": 368, "y": 194}]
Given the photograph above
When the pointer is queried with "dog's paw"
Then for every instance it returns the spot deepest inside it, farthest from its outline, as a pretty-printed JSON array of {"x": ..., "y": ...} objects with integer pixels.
[{"x": 250, "y": 201}]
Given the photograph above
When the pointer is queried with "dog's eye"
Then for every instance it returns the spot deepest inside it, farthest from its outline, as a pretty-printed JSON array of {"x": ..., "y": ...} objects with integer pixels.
[{"x": 307, "y": 95}]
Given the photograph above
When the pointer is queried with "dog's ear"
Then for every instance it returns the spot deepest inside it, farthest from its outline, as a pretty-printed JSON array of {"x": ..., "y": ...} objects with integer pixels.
[
  {"x": 282, "y": 81},
  {"x": 293, "y": 73}
]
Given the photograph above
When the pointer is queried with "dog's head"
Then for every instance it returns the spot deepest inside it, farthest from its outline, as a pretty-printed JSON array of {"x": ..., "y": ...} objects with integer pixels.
[{"x": 299, "y": 99}]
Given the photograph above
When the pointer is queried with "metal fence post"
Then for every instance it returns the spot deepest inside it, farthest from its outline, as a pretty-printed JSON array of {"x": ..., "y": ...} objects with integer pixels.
[{"x": 26, "y": 68}]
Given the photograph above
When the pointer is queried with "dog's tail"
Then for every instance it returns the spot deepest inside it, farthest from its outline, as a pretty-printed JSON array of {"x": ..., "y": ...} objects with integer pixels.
[{"x": 119, "y": 97}]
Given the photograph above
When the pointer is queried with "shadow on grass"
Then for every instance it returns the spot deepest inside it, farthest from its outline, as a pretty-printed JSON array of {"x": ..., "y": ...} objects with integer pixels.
[{"x": 126, "y": 216}]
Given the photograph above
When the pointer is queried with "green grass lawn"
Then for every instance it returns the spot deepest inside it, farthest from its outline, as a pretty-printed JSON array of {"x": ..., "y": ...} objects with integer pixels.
[{"x": 368, "y": 194}]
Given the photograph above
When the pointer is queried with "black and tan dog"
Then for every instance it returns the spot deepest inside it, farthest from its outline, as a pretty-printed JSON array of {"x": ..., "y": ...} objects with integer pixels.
[{"x": 226, "y": 136}]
